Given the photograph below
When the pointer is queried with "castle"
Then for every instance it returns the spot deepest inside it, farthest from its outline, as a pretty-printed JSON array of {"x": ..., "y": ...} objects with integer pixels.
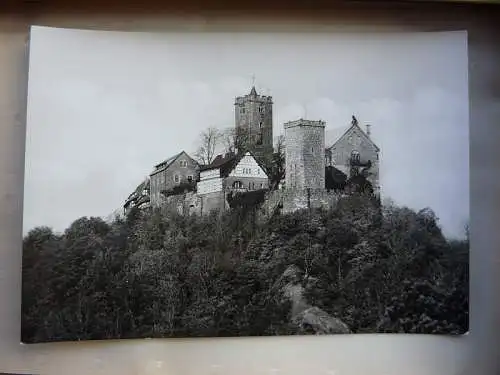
[{"x": 315, "y": 171}]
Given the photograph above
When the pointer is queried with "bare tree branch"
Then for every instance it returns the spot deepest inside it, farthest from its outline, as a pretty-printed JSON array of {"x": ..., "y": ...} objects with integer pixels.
[
  {"x": 209, "y": 140},
  {"x": 235, "y": 139}
]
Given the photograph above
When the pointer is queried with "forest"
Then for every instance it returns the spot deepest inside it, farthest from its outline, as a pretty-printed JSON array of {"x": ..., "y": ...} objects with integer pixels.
[{"x": 154, "y": 273}]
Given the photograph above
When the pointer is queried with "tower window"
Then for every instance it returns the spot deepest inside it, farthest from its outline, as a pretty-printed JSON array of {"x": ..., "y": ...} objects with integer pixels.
[
  {"x": 261, "y": 109},
  {"x": 260, "y": 125}
]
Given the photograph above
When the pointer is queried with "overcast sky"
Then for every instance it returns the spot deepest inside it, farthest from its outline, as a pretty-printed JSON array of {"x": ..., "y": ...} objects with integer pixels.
[{"x": 104, "y": 107}]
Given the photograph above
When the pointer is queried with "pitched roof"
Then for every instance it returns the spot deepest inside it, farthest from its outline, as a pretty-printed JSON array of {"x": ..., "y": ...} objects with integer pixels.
[
  {"x": 338, "y": 133},
  {"x": 226, "y": 163},
  {"x": 253, "y": 92},
  {"x": 333, "y": 135},
  {"x": 169, "y": 161}
]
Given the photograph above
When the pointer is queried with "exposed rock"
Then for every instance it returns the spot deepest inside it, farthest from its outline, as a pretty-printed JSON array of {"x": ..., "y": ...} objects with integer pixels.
[
  {"x": 320, "y": 322},
  {"x": 308, "y": 318}
]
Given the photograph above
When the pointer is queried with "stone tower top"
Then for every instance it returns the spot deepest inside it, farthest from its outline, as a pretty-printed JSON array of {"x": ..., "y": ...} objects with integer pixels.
[
  {"x": 302, "y": 122},
  {"x": 254, "y": 96}
]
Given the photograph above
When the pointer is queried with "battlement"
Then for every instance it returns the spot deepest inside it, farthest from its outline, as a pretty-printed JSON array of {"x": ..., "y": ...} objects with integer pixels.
[
  {"x": 259, "y": 99},
  {"x": 303, "y": 123}
]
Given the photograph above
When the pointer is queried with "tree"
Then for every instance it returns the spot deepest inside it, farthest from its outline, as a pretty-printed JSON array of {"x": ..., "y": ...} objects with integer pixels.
[
  {"x": 235, "y": 139},
  {"x": 209, "y": 140},
  {"x": 277, "y": 167}
]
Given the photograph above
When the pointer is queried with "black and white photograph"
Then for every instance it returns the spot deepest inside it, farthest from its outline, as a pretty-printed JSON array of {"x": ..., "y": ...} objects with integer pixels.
[{"x": 187, "y": 185}]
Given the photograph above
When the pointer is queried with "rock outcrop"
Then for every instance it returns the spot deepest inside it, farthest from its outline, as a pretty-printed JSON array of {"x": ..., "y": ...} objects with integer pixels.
[{"x": 307, "y": 318}]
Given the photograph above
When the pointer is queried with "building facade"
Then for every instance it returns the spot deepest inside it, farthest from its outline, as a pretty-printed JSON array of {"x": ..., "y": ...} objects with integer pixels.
[
  {"x": 305, "y": 154},
  {"x": 254, "y": 119},
  {"x": 178, "y": 170},
  {"x": 231, "y": 173},
  {"x": 354, "y": 153}
]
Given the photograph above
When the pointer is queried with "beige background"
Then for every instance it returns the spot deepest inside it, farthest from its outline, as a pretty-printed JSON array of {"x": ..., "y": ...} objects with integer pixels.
[{"x": 475, "y": 353}]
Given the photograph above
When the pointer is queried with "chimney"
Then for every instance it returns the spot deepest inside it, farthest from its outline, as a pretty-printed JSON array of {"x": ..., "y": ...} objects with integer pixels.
[{"x": 368, "y": 130}]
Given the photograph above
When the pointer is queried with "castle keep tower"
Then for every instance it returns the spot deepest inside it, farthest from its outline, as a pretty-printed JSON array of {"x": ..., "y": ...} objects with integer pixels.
[
  {"x": 254, "y": 118},
  {"x": 305, "y": 154}
]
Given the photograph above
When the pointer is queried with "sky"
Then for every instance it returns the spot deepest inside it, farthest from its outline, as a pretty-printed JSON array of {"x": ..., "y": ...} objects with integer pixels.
[{"x": 105, "y": 107}]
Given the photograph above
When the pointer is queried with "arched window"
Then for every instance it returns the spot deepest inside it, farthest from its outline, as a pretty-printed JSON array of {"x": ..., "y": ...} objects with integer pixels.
[{"x": 355, "y": 155}]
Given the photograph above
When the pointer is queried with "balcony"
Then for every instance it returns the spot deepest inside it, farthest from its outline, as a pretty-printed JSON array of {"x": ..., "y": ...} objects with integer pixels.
[{"x": 356, "y": 161}]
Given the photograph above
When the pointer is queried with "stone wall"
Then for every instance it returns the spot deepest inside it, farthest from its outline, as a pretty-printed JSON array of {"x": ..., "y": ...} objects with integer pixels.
[
  {"x": 289, "y": 200},
  {"x": 295, "y": 199},
  {"x": 184, "y": 204},
  {"x": 212, "y": 202}
]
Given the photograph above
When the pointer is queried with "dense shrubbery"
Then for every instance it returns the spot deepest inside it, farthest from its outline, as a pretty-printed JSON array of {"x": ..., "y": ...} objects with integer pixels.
[{"x": 162, "y": 276}]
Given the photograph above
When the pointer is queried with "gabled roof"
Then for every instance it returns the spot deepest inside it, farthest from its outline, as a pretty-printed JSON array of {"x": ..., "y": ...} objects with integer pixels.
[
  {"x": 347, "y": 129},
  {"x": 167, "y": 163},
  {"x": 170, "y": 160},
  {"x": 226, "y": 163},
  {"x": 333, "y": 135}
]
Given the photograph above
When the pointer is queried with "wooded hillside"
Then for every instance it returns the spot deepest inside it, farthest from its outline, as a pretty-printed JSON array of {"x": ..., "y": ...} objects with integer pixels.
[{"x": 154, "y": 274}]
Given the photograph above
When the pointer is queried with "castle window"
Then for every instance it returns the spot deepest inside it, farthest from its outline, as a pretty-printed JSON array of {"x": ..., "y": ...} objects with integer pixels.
[
  {"x": 176, "y": 179},
  {"x": 183, "y": 163},
  {"x": 260, "y": 138},
  {"x": 355, "y": 156}
]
